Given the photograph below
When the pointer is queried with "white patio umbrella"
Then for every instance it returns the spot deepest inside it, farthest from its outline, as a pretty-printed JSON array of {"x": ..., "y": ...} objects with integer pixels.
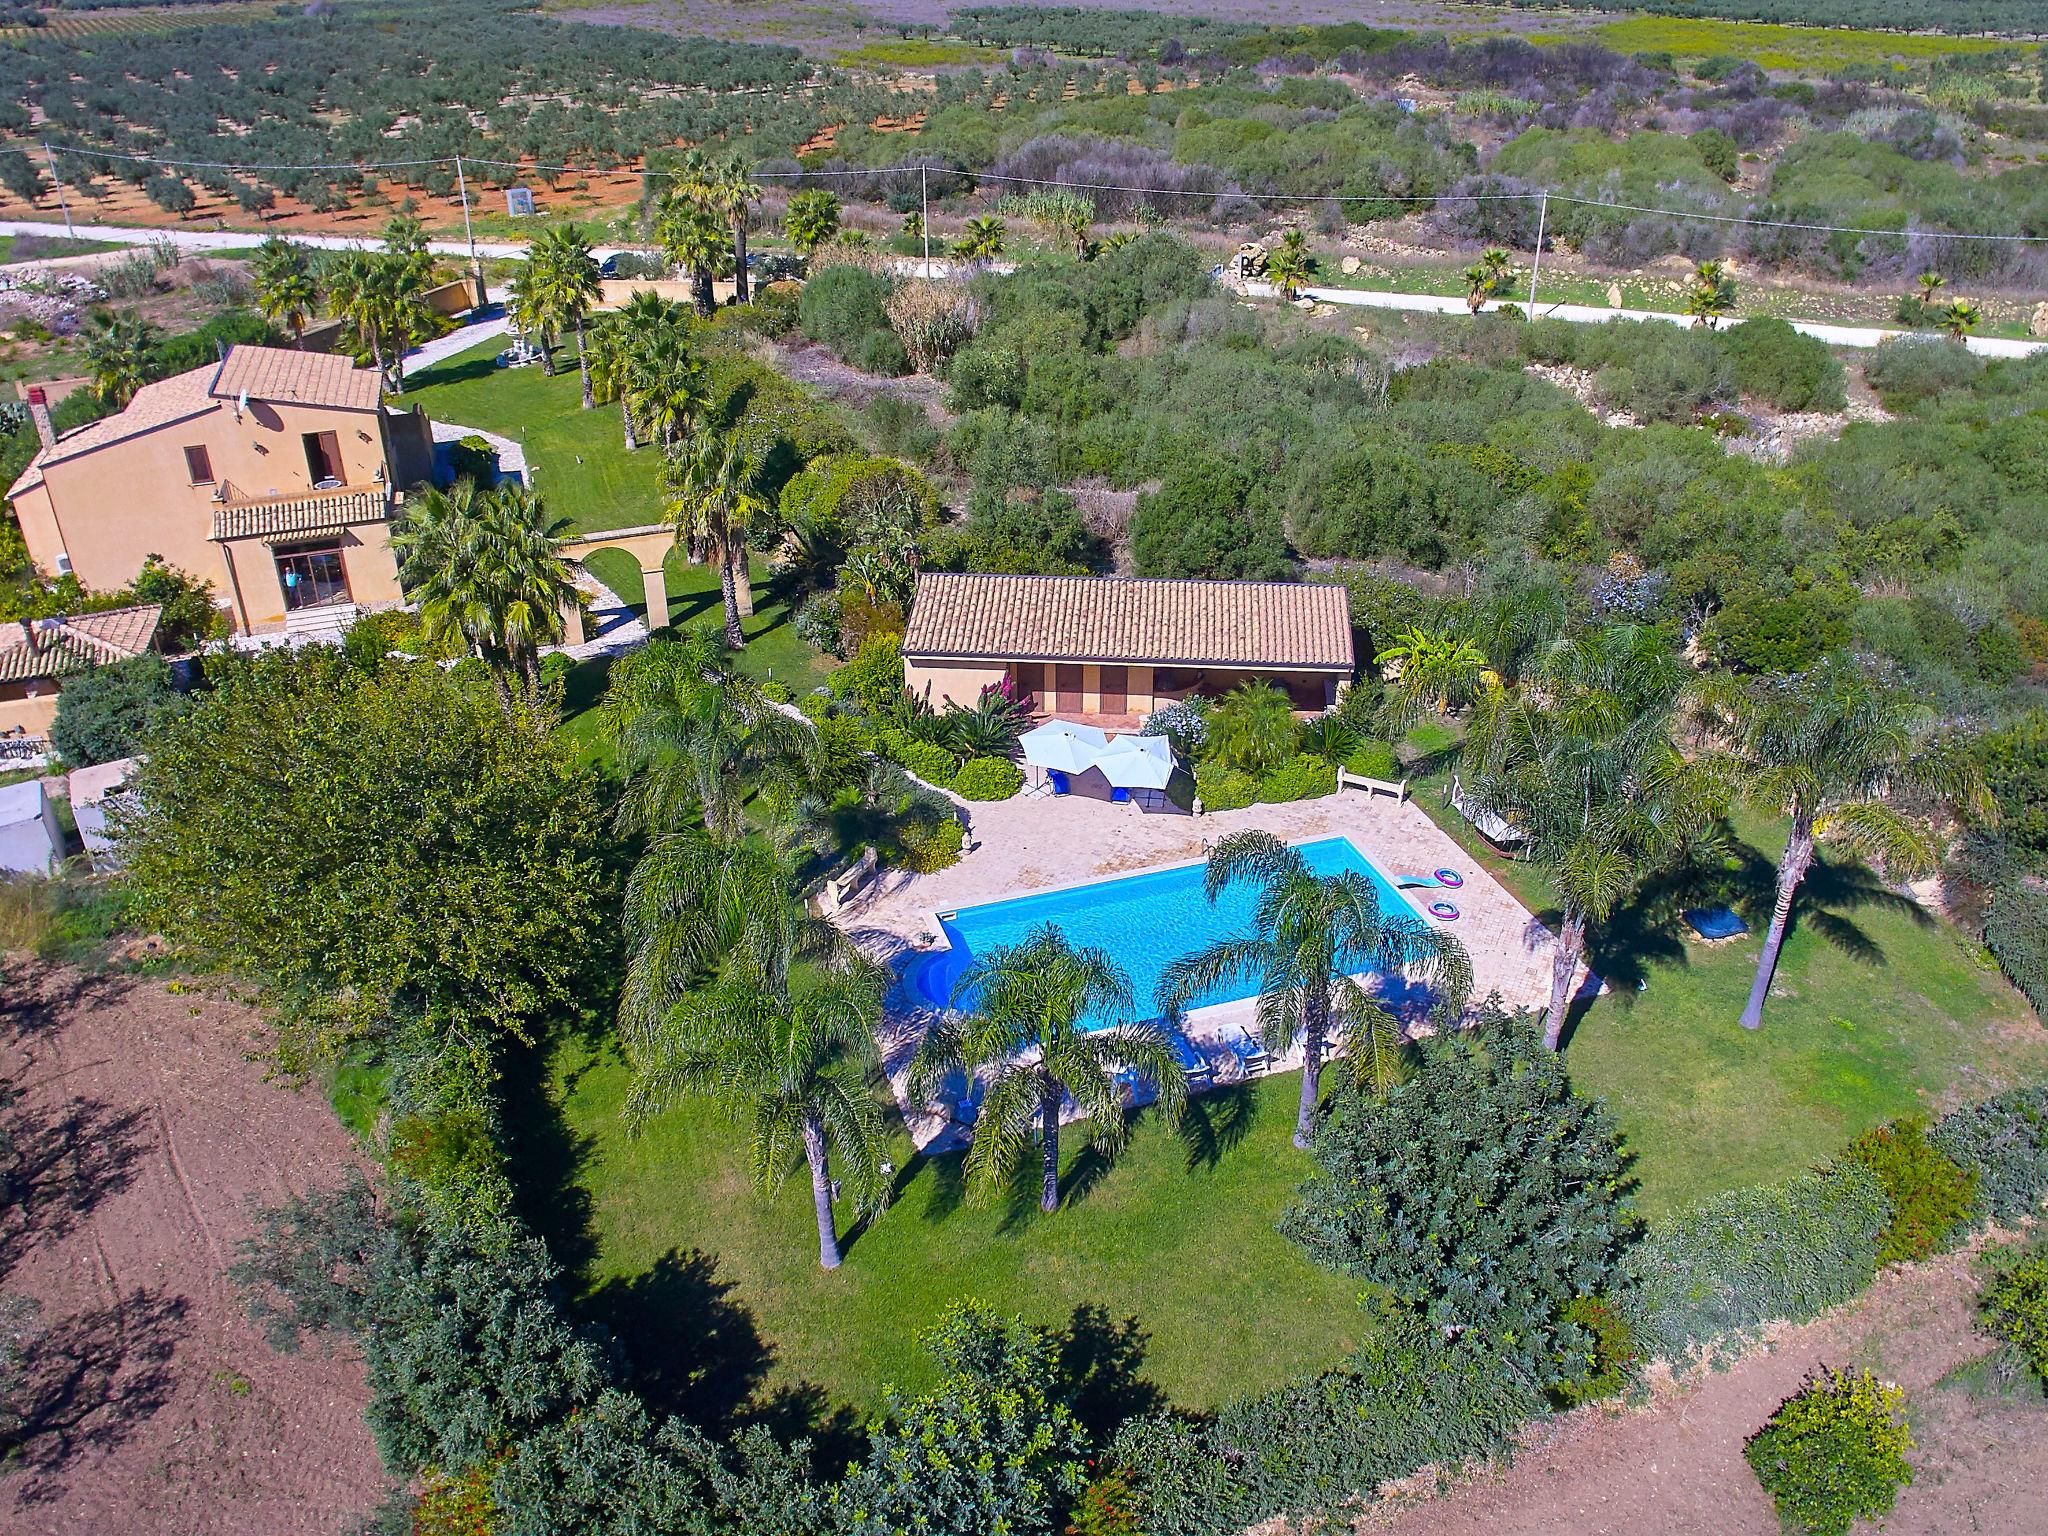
[
  {"x": 1137, "y": 762},
  {"x": 1063, "y": 745}
]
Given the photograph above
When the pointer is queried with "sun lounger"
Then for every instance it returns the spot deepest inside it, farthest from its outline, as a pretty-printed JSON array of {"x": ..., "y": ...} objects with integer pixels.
[
  {"x": 1253, "y": 1058},
  {"x": 1192, "y": 1061}
]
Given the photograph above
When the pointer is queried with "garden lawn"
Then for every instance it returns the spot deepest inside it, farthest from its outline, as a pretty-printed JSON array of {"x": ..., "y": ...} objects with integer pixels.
[
  {"x": 1876, "y": 1010},
  {"x": 1179, "y": 1235},
  {"x": 579, "y": 461}
]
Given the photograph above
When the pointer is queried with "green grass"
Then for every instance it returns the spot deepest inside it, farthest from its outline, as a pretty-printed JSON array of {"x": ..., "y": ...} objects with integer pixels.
[
  {"x": 1877, "y": 1010},
  {"x": 578, "y": 458},
  {"x": 915, "y": 53},
  {"x": 1178, "y": 1235},
  {"x": 53, "y": 247},
  {"x": 1770, "y": 46}
]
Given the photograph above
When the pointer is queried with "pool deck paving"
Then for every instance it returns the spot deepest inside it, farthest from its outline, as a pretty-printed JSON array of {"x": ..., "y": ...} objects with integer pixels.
[{"x": 1029, "y": 844}]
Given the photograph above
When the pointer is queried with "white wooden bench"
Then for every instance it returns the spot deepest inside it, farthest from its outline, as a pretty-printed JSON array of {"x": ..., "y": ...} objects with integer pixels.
[{"x": 1398, "y": 788}]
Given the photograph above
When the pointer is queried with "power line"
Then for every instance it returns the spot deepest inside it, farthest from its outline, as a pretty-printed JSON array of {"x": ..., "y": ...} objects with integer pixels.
[{"x": 1056, "y": 184}]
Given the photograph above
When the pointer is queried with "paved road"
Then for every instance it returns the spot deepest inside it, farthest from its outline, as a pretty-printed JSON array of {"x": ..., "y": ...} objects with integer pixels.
[
  {"x": 231, "y": 239},
  {"x": 1833, "y": 335}
]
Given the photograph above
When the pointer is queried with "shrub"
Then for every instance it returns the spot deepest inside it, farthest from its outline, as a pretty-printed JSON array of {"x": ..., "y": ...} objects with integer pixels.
[
  {"x": 1375, "y": 760},
  {"x": 926, "y": 759},
  {"x": 776, "y": 308},
  {"x": 1792, "y": 371},
  {"x": 1612, "y": 1356},
  {"x": 105, "y": 712},
  {"x": 1107, "y": 1507},
  {"x": 842, "y": 305},
  {"x": 933, "y": 320},
  {"x": 473, "y": 457},
  {"x": 1752, "y": 1256},
  {"x": 987, "y": 778},
  {"x": 879, "y": 352},
  {"x": 1834, "y": 1453},
  {"x": 1210, "y": 518},
  {"x": 1762, "y": 631},
  {"x": 1224, "y": 789},
  {"x": 817, "y": 622},
  {"x": 1910, "y": 369},
  {"x": 1484, "y": 1193},
  {"x": 875, "y": 675},
  {"x": 1305, "y": 778},
  {"x": 2003, "y": 1142},
  {"x": 1252, "y": 729},
  {"x": 2016, "y": 933},
  {"x": 930, "y": 846},
  {"x": 1185, "y": 723},
  {"x": 2013, "y": 1308},
  {"x": 1930, "y": 1196}
]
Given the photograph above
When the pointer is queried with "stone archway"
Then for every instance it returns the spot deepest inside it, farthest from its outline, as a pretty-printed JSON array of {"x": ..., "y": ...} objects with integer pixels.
[{"x": 648, "y": 545}]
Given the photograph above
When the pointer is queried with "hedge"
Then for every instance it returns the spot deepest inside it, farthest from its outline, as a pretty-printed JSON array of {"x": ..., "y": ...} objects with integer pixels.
[
  {"x": 1753, "y": 1256},
  {"x": 987, "y": 778},
  {"x": 926, "y": 759},
  {"x": 2004, "y": 1142}
]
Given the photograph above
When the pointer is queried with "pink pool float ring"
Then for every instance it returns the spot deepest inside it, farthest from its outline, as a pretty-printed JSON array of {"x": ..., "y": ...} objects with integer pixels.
[
  {"x": 1444, "y": 910},
  {"x": 1449, "y": 878}
]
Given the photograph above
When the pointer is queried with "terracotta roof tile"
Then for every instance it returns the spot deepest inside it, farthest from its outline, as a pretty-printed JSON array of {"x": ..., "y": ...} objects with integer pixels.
[
  {"x": 296, "y": 378},
  {"x": 298, "y": 516},
  {"x": 75, "y": 642},
  {"x": 155, "y": 405},
  {"x": 1119, "y": 619}
]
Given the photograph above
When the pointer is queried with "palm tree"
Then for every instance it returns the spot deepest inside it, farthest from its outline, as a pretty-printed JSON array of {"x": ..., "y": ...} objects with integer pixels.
[
  {"x": 1485, "y": 277},
  {"x": 797, "y": 1064},
  {"x": 285, "y": 290},
  {"x": 694, "y": 739},
  {"x": 530, "y": 304},
  {"x": 811, "y": 219},
  {"x": 486, "y": 565},
  {"x": 1711, "y": 298},
  {"x": 1290, "y": 266},
  {"x": 1313, "y": 935},
  {"x": 610, "y": 358},
  {"x": 566, "y": 283},
  {"x": 1433, "y": 670},
  {"x": 692, "y": 238},
  {"x": 1824, "y": 749},
  {"x": 1252, "y": 729},
  {"x": 981, "y": 239},
  {"x": 1930, "y": 283},
  {"x": 710, "y": 492},
  {"x": 117, "y": 357},
  {"x": 733, "y": 195},
  {"x": 667, "y": 389},
  {"x": 1958, "y": 317},
  {"x": 1027, "y": 1031},
  {"x": 1581, "y": 760}
]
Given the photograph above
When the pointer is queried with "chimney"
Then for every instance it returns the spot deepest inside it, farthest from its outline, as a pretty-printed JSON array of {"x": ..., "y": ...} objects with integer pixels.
[{"x": 39, "y": 413}]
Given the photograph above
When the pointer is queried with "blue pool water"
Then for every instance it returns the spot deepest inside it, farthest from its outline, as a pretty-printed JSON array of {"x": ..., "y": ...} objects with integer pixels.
[{"x": 1144, "y": 921}]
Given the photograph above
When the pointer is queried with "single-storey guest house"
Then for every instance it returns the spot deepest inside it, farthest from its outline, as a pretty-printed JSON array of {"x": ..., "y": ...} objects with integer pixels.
[
  {"x": 37, "y": 655},
  {"x": 1117, "y": 648},
  {"x": 272, "y": 473}
]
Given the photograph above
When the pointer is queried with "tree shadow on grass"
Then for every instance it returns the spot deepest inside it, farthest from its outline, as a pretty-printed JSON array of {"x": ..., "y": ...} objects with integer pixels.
[
  {"x": 467, "y": 371},
  {"x": 546, "y": 1155},
  {"x": 1217, "y": 1121},
  {"x": 1098, "y": 1366}
]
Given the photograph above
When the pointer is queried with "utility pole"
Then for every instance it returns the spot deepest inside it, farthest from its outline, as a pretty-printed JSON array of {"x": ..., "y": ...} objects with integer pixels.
[
  {"x": 58, "y": 182},
  {"x": 476, "y": 270},
  {"x": 1542, "y": 217},
  {"x": 924, "y": 217}
]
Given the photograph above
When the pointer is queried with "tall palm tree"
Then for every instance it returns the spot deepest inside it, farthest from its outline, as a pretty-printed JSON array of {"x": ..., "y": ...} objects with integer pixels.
[
  {"x": 711, "y": 493},
  {"x": 692, "y": 238},
  {"x": 1581, "y": 760},
  {"x": 1825, "y": 749},
  {"x": 285, "y": 290},
  {"x": 1028, "y": 1031},
  {"x": 486, "y": 565},
  {"x": 1290, "y": 265},
  {"x": 1313, "y": 935},
  {"x": 1711, "y": 298},
  {"x": 982, "y": 239},
  {"x": 733, "y": 195},
  {"x": 695, "y": 739},
  {"x": 117, "y": 357},
  {"x": 610, "y": 357},
  {"x": 811, "y": 219},
  {"x": 798, "y": 1064},
  {"x": 566, "y": 277}
]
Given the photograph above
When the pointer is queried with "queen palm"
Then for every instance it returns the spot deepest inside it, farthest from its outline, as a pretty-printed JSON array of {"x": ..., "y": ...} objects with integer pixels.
[
  {"x": 485, "y": 565},
  {"x": 1825, "y": 749},
  {"x": 285, "y": 290},
  {"x": 1030, "y": 1031},
  {"x": 797, "y": 1065},
  {"x": 694, "y": 739},
  {"x": 711, "y": 493},
  {"x": 1581, "y": 761},
  {"x": 566, "y": 283},
  {"x": 529, "y": 304},
  {"x": 1313, "y": 934}
]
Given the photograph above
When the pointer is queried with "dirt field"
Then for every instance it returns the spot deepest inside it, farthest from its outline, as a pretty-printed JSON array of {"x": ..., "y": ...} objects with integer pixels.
[
  {"x": 145, "y": 1125},
  {"x": 1981, "y": 1464}
]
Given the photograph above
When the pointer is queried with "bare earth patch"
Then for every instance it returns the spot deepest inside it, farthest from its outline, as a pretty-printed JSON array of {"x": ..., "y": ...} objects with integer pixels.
[
  {"x": 1676, "y": 1464},
  {"x": 145, "y": 1124}
]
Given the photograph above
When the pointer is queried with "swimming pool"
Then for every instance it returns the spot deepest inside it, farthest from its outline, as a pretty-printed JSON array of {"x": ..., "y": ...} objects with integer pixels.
[{"x": 1144, "y": 921}]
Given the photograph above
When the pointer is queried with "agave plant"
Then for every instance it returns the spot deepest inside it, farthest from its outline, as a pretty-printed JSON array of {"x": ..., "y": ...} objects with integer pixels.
[{"x": 990, "y": 728}]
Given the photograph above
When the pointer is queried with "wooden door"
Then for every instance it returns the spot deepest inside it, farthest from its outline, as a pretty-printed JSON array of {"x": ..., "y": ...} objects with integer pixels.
[
  {"x": 1067, "y": 687},
  {"x": 1028, "y": 677},
  {"x": 1116, "y": 690}
]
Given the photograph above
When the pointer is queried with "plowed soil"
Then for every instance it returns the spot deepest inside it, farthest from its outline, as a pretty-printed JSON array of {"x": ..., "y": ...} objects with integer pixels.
[{"x": 145, "y": 1125}]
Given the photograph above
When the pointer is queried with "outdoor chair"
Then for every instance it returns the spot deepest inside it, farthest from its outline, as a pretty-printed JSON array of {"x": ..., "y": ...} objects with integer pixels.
[{"x": 1252, "y": 1057}]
